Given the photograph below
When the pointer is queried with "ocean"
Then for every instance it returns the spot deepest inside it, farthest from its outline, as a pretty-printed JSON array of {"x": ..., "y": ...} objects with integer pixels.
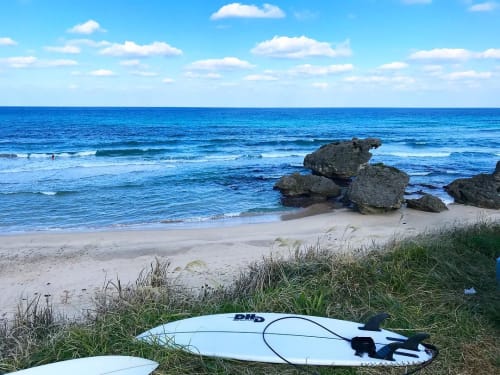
[{"x": 113, "y": 168}]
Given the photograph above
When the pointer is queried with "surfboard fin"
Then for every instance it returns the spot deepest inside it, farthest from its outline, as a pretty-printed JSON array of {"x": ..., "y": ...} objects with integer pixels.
[
  {"x": 387, "y": 351},
  {"x": 373, "y": 324}
]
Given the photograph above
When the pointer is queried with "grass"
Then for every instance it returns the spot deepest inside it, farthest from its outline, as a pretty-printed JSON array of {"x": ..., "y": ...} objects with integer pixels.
[{"x": 420, "y": 282}]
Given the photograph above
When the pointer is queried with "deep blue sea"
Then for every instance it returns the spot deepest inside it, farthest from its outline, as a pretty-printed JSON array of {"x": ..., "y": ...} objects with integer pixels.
[{"x": 154, "y": 167}]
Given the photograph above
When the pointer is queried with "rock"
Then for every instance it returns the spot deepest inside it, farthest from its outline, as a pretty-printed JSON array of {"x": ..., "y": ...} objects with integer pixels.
[
  {"x": 496, "y": 174},
  {"x": 428, "y": 203},
  {"x": 378, "y": 188},
  {"x": 301, "y": 190},
  {"x": 341, "y": 160},
  {"x": 482, "y": 190}
]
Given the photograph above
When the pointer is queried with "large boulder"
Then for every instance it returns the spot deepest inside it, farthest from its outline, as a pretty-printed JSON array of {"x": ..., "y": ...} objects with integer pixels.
[
  {"x": 482, "y": 190},
  {"x": 378, "y": 188},
  {"x": 302, "y": 190},
  {"x": 428, "y": 203},
  {"x": 341, "y": 160}
]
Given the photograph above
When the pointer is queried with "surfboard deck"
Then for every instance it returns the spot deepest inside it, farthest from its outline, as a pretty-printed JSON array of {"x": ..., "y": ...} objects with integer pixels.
[
  {"x": 281, "y": 338},
  {"x": 100, "y": 365}
]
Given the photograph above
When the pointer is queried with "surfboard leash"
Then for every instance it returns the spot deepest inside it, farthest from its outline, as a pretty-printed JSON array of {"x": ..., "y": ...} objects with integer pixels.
[
  {"x": 299, "y": 367},
  {"x": 430, "y": 347}
]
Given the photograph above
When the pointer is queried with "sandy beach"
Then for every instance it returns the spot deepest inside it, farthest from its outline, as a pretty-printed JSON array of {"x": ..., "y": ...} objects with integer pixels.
[{"x": 71, "y": 267}]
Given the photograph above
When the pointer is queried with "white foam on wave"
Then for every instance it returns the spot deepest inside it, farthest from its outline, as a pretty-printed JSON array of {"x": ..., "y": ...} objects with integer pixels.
[
  {"x": 204, "y": 159},
  {"x": 54, "y": 166},
  {"x": 222, "y": 157},
  {"x": 50, "y": 193},
  {"x": 419, "y": 173},
  {"x": 111, "y": 165},
  {"x": 48, "y": 155},
  {"x": 85, "y": 153},
  {"x": 403, "y": 154},
  {"x": 282, "y": 155}
]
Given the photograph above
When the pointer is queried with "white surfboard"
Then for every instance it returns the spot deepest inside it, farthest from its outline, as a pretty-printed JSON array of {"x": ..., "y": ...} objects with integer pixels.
[
  {"x": 100, "y": 365},
  {"x": 293, "y": 339}
]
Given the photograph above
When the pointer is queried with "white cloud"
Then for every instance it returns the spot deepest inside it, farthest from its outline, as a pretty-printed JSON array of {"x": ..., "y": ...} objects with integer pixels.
[
  {"x": 492, "y": 53},
  {"x": 5, "y": 41},
  {"x": 238, "y": 10},
  {"x": 102, "y": 73},
  {"x": 365, "y": 79},
  {"x": 20, "y": 62},
  {"x": 300, "y": 47},
  {"x": 317, "y": 70},
  {"x": 134, "y": 62},
  {"x": 260, "y": 77},
  {"x": 469, "y": 74},
  {"x": 380, "y": 79},
  {"x": 56, "y": 63},
  {"x": 89, "y": 43},
  {"x": 454, "y": 54},
  {"x": 226, "y": 63},
  {"x": 202, "y": 75},
  {"x": 86, "y": 28},
  {"x": 132, "y": 49},
  {"x": 142, "y": 73},
  {"x": 168, "y": 80},
  {"x": 69, "y": 49},
  {"x": 433, "y": 70},
  {"x": 483, "y": 7},
  {"x": 442, "y": 54},
  {"x": 320, "y": 85},
  {"x": 396, "y": 65}
]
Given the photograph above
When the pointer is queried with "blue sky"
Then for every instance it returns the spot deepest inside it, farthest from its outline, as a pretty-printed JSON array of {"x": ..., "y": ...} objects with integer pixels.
[{"x": 297, "y": 53}]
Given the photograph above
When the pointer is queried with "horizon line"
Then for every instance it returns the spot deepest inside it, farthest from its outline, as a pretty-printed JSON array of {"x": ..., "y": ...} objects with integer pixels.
[{"x": 239, "y": 107}]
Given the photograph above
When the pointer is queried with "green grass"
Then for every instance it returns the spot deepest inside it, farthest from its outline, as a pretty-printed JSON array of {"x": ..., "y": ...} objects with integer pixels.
[{"x": 420, "y": 282}]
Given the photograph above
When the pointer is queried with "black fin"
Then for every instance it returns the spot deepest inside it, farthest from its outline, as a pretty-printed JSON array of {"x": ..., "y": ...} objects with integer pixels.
[
  {"x": 413, "y": 341},
  {"x": 373, "y": 324},
  {"x": 387, "y": 351}
]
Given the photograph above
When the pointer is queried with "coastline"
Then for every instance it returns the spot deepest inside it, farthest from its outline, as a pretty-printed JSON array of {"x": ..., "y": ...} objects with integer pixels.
[{"x": 71, "y": 266}]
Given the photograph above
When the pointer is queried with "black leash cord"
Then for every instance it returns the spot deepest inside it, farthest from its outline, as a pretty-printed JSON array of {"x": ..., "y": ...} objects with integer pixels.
[
  {"x": 299, "y": 367},
  {"x": 435, "y": 351},
  {"x": 414, "y": 371}
]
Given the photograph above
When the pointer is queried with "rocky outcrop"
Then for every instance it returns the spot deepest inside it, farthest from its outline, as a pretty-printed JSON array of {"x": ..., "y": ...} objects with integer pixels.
[
  {"x": 482, "y": 190},
  {"x": 302, "y": 190},
  {"x": 428, "y": 203},
  {"x": 378, "y": 188},
  {"x": 341, "y": 160}
]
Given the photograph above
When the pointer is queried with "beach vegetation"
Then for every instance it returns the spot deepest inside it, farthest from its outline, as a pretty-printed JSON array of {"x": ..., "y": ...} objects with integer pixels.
[{"x": 419, "y": 281}]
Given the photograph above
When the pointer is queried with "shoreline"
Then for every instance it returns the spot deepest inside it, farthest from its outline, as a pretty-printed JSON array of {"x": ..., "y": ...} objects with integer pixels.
[
  {"x": 209, "y": 222},
  {"x": 71, "y": 266}
]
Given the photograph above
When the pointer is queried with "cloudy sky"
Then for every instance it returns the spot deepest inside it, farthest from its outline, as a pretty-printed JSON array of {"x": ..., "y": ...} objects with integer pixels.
[{"x": 295, "y": 53}]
